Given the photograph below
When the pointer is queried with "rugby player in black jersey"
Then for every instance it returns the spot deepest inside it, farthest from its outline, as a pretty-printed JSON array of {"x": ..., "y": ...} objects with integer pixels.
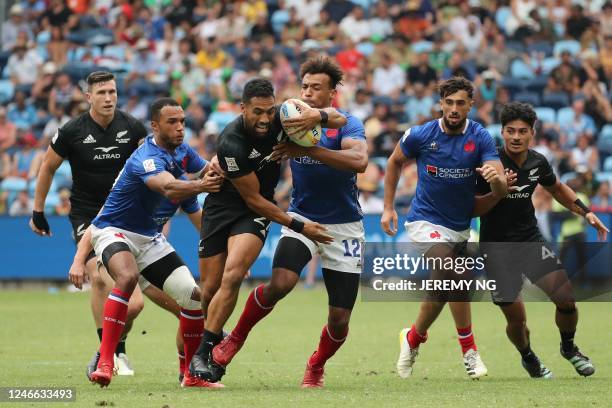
[
  {"x": 97, "y": 145},
  {"x": 236, "y": 219},
  {"x": 511, "y": 219}
]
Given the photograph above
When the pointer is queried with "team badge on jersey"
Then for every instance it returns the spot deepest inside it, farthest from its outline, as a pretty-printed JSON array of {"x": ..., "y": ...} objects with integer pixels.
[
  {"x": 469, "y": 146},
  {"x": 149, "y": 165},
  {"x": 231, "y": 164}
]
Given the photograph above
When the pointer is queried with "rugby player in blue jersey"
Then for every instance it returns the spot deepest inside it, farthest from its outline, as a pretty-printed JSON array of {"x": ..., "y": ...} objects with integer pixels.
[
  {"x": 324, "y": 191},
  {"x": 125, "y": 235},
  {"x": 449, "y": 153},
  {"x": 163, "y": 214}
]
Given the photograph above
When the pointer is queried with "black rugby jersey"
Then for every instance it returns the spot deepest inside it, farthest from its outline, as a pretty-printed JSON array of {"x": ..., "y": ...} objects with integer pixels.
[
  {"x": 96, "y": 156},
  {"x": 240, "y": 153},
  {"x": 513, "y": 218}
]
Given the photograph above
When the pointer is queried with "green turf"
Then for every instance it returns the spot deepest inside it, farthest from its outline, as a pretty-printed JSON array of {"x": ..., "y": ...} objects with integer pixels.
[{"x": 47, "y": 339}]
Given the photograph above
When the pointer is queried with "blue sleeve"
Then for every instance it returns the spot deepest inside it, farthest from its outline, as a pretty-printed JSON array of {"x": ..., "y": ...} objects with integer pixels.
[
  {"x": 190, "y": 205},
  {"x": 409, "y": 143},
  {"x": 353, "y": 128},
  {"x": 145, "y": 167},
  {"x": 194, "y": 162},
  {"x": 488, "y": 151}
]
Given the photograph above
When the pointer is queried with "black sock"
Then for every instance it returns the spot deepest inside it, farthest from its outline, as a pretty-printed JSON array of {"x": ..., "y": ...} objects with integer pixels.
[
  {"x": 121, "y": 346},
  {"x": 99, "y": 334},
  {"x": 567, "y": 341},
  {"x": 528, "y": 355},
  {"x": 209, "y": 340}
]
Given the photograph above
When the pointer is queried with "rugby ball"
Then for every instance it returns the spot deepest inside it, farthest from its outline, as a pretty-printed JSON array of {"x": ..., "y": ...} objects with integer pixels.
[{"x": 291, "y": 109}]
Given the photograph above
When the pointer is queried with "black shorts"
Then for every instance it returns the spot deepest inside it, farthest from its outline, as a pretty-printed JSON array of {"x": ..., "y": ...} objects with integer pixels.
[
  {"x": 219, "y": 225},
  {"x": 511, "y": 262},
  {"x": 80, "y": 223}
]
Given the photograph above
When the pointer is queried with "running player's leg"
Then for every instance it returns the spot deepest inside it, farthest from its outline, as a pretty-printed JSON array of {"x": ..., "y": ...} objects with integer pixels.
[
  {"x": 290, "y": 257},
  {"x": 213, "y": 255},
  {"x": 559, "y": 289},
  {"x": 518, "y": 334},
  {"x": 211, "y": 273},
  {"x": 342, "y": 288},
  {"x": 164, "y": 301},
  {"x": 162, "y": 266},
  {"x": 101, "y": 286},
  {"x": 116, "y": 255},
  {"x": 243, "y": 250}
]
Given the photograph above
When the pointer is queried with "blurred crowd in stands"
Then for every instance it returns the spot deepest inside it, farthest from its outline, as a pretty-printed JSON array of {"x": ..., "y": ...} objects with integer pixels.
[{"x": 553, "y": 54}]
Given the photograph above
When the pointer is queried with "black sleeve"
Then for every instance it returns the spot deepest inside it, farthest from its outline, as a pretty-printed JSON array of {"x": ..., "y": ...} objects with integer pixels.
[
  {"x": 60, "y": 142},
  {"x": 482, "y": 187},
  {"x": 234, "y": 159},
  {"x": 548, "y": 177},
  {"x": 139, "y": 129}
]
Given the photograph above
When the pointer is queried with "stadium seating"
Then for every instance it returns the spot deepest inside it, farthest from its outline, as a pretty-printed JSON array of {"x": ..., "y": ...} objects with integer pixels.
[
  {"x": 543, "y": 47},
  {"x": 547, "y": 115},
  {"x": 531, "y": 98},
  {"x": 572, "y": 46},
  {"x": 520, "y": 69},
  {"x": 7, "y": 90},
  {"x": 556, "y": 100},
  {"x": 608, "y": 164}
]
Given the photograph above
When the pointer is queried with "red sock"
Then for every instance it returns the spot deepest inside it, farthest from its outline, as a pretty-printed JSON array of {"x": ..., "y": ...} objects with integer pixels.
[
  {"x": 115, "y": 314},
  {"x": 466, "y": 338},
  {"x": 181, "y": 356},
  {"x": 255, "y": 309},
  {"x": 328, "y": 345},
  {"x": 191, "y": 323},
  {"x": 415, "y": 338}
]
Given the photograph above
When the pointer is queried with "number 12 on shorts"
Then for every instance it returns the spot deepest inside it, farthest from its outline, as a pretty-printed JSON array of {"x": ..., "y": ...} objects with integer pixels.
[{"x": 353, "y": 248}]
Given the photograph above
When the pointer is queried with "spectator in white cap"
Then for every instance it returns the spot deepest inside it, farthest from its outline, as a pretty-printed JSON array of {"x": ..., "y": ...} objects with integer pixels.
[{"x": 12, "y": 27}]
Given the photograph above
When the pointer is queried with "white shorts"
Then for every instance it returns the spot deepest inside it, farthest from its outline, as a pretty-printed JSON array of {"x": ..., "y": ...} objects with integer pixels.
[
  {"x": 344, "y": 254},
  {"x": 423, "y": 235},
  {"x": 145, "y": 249}
]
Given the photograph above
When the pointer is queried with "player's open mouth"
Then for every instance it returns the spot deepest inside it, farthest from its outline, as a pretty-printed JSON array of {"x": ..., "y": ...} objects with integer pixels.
[{"x": 261, "y": 129}]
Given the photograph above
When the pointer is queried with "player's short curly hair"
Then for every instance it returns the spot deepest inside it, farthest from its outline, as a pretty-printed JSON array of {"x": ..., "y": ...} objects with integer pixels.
[
  {"x": 518, "y": 111},
  {"x": 257, "y": 88},
  {"x": 455, "y": 84},
  {"x": 323, "y": 65},
  {"x": 99, "y": 76},
  {"x": 159, "y": 104}
]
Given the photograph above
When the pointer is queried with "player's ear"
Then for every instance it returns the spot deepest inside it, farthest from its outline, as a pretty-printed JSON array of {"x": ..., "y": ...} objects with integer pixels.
[
  {"x": 154, "y": 126},
  {"x": 242, "y": 107}
]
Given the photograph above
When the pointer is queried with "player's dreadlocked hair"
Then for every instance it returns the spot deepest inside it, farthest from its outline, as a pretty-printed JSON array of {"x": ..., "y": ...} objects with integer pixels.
[
  {"x": 518, "y": 111},
  {"x": 323, "y": 65},
  {"x": 455, "y": 84},
  {"x": 99, "y": 76},
  {"x": 158, "y": 105},
  {"x": 257, "y": 88}
]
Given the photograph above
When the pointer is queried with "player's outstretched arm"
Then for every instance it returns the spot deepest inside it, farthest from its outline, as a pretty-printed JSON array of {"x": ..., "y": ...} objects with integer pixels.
[
  {"x": 568, "y": 198},
  {"x": 352, "y": 157},
  {"x": 388, "y": 220},
  {"x": 50, "y": 164},
  {"x": 248, "y": 187},
  {"x": 77, "y": 274},
  {"x": 165, "y": 184}
]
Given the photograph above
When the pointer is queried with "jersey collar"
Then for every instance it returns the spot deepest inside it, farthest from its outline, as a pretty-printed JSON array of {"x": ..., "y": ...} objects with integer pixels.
[{"x": 467, "y": 124}]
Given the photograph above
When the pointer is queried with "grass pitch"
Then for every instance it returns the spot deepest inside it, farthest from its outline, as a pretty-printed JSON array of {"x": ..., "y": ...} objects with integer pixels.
[{"x": 47, "y": 339}]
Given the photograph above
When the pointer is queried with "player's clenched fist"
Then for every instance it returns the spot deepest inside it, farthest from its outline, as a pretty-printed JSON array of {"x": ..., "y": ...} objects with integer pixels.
[
  {"x": 388, "y": 222},
  {"x": 488, "y": 173},
  {"x": 316, "y": 232}
]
